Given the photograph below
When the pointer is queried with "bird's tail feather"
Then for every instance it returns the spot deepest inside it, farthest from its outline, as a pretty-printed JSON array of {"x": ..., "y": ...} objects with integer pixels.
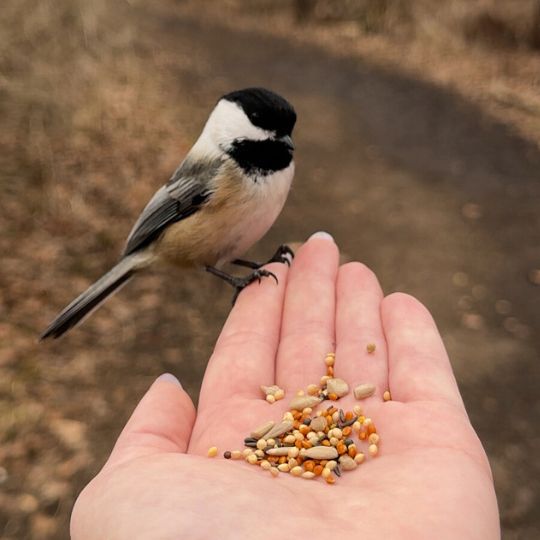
[{"x": 90, "y": 299}]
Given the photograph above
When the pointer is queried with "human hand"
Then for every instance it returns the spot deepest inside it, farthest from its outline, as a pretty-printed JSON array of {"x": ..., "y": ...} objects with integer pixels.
[{"x": 430, "y": 480}]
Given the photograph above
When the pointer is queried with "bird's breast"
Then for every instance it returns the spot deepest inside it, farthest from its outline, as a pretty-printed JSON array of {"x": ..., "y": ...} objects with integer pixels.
[{"x": 237, "y": 215}]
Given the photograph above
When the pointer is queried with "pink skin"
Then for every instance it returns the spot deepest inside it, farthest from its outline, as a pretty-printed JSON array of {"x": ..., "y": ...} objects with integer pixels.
[{"x": 430, "y": 480}]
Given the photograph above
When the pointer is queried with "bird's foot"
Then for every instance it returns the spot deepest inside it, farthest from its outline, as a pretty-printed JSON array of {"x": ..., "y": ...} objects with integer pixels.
[
  {"x": 284, "y": 254},
  {"x": 240, "y": 283}
]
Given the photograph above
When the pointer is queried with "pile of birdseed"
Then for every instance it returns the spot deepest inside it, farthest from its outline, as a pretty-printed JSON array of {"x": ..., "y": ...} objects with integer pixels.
[{"x": 308, "y": 444}]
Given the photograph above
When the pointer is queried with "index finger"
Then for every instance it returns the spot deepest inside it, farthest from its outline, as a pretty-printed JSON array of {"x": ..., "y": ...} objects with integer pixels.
[{"x": 419, "y": 368}]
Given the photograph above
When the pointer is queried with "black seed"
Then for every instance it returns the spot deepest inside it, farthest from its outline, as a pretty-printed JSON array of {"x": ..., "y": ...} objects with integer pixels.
[
  {"x": 251, "y": 444},
  {"x": 307, "y": 421},
  {"x": 227, "y": 455},
  {"x": 337, "y": 470},
  {"x": 349, "y": 441},
  {"x": 250, "y": 440}
]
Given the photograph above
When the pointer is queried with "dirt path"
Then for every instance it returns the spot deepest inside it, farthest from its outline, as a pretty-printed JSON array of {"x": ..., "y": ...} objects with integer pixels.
[
  {"x": 437, "y": 199},
  {"x": 440, "y": 201}
]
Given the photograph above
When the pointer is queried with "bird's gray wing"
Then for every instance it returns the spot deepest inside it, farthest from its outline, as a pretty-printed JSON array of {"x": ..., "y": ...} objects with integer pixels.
[{"x": 183, "y": 195}]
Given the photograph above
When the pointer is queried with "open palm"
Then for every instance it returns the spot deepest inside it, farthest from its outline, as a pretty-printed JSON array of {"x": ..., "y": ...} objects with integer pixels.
[{"x": 430, "y": 480}]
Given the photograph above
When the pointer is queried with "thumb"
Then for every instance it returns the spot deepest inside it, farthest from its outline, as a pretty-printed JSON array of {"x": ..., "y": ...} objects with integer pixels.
[{"x": 162, "y": 422}]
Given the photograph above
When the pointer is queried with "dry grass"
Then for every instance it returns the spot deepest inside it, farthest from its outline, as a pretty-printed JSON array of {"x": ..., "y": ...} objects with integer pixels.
[
  {"x": 485, "y": 50},
  {"x": 83, "y": 121}
]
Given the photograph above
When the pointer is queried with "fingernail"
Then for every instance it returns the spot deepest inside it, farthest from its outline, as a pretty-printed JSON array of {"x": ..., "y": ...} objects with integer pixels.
[
  {"x": 322, "y": 235},
  {"x": 170, "y": 378}
]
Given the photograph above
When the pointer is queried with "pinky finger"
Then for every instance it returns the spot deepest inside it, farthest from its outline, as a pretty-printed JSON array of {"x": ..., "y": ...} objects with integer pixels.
[{"x": 419, "y": 368}]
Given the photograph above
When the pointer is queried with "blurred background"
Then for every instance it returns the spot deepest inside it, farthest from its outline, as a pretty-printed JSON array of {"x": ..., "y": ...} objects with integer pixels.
[{"x": 417, "y": 148}]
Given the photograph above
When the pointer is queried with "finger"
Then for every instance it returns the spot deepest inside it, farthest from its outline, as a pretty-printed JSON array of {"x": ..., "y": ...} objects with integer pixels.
[
  {"x": 307, "y": 331},
  {"x": 161, "y": 422},
  {"x": 419, "y": 368},
  {"x": 245, "y": 352},
  {"x": 358, "y": 323}
]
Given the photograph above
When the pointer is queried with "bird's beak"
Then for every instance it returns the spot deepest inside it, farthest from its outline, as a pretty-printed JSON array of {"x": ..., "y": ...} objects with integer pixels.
[{"x": 288, "y": 142}]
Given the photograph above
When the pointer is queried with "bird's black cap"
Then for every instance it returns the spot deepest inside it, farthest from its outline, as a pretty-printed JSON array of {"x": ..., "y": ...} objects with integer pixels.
[{"x": 265, "y": 109}]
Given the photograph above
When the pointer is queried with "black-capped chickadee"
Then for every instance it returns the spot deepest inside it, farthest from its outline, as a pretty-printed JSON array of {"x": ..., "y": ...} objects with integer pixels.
[{"x": 222, "y": 199}]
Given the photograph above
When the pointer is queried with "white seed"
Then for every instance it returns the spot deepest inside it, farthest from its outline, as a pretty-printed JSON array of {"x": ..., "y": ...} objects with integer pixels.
[
  {"x": 293, "y": 452},
  {"x": 363, "y": 391},
  {"x": 270, "y": 390},
  {"x": 374, "y": 438},
  {"x": 307, "y": 411},
  {"x": 347, "y": 463},
  {"x": 261, "y": 444},
  {"x": 329, "y": 360},
  {"x": 313, "y": 389},
  {"x": 292, "y": 463},
  {"x": 299, "y": 403},
  {"x": 296, "y": 471},
  {"x": 337, "y": 433},
  {"x": 308, "y": 475},
  {"x": 331, "y": 465},
  {"x": 321, "y": 452},
  {"x": 289, "y": 439},
  {"x": 334, "y": 441},
  {"x": 280, "y": 394},
  {"x": 274, "y": 471},
  {"x": 265, "y": 465},
  {"x": 373, "y": 450},
  {"x": 259, "y": 453},
  {"x": 247, "y": 452},
  {"x": 326, "y": 472},
  {"x": 270, "y": 398},
  {"x": 357, "y": 410},
  {"x": 261, "y": 431},
  {"x": 338, "y": 387},
  {"x": 288, "y": 416},
  {"x": 281, "y": 451},
  {"x": 279, "y": 429},
  {"x": 359, "y": 458},
  {"x": 251, "y": 459},
  {"x": 283, "y": 467},
  {"x": 357, "y": 425},
  {"x": 236, "y": 454},
  {"x": 319, "y": 423}
]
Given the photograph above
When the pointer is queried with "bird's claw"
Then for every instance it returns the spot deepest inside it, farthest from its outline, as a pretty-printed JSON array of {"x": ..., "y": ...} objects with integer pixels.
[
  {"x": 284, "y": 254},
  {"x": 241, "y": 283}
]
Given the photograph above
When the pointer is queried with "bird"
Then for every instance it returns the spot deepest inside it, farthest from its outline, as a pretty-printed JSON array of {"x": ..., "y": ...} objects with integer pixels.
[{"x": 222, "y": 198}]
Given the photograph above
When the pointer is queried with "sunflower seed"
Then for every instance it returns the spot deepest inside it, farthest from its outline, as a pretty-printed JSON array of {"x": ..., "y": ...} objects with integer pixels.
[
  {"x": 261, "y": 431},
  {"x": 321, "y": 452},
  {"x": 363, "y": 391},
  {"x": 299, "y": 403},
  {"x": 279, "y": 429},
  {"x": 283, "y": 451}
]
